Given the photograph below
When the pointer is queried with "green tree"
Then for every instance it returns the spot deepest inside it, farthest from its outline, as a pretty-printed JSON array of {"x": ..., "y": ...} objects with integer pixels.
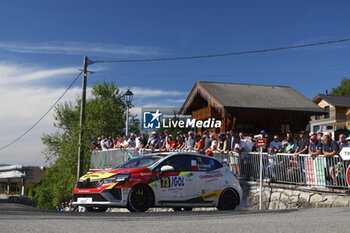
[
  {"x": 343, "y": 89},
  {"x": 105, "y": 115}
]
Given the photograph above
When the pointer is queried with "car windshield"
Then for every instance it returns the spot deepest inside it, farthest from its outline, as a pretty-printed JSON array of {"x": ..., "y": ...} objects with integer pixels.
[{"x": 145, "y": 161}]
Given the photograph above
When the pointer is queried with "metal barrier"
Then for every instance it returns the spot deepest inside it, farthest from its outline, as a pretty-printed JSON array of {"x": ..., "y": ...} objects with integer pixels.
[
  {"x": 281, "y": 167},
  {"x": 110, "y": 158},
  {"x": 303, "y": 170}
]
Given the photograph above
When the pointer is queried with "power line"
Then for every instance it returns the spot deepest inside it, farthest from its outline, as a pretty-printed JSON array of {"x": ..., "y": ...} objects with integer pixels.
[
  {"x": 18, "y": 138},
  {"x": 224, "y": 75},
  {"x": 221, "y": 54}
]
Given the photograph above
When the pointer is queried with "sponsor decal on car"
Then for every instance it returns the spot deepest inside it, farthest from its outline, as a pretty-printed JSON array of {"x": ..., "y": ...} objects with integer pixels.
[
  {"x": 174, "y": 181},
  {"x": 211, "y": 195},
  {"x": 211, "y": 175}
]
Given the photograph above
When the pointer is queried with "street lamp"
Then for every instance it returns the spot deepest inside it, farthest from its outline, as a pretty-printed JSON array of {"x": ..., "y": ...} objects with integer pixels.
[{"x": 128, "y": 99}]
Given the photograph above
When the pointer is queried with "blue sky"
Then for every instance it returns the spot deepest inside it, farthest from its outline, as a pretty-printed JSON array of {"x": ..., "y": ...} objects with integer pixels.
[{"x": 42, "y": 45}]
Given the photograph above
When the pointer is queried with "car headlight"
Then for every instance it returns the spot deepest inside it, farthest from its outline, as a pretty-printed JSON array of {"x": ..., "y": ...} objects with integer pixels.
[{"x": 117, "y": 178}]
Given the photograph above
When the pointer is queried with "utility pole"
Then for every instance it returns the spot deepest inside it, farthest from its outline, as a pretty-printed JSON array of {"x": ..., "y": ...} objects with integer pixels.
[{"x": 80, "y": 166}]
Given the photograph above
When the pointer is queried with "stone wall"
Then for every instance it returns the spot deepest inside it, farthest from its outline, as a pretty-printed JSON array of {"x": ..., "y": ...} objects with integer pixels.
[{"x": 281, "y": 196}]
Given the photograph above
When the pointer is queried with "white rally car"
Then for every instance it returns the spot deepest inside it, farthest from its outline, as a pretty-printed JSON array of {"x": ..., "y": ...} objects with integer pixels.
[{"x": 177, "y": 180}]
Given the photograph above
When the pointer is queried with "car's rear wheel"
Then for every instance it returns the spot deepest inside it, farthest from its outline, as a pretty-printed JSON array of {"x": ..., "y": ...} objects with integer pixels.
[
  {"x": 140, "y": 198},
  {"x": 228, "y": 200},
  {"x": 96, "y": 209}
]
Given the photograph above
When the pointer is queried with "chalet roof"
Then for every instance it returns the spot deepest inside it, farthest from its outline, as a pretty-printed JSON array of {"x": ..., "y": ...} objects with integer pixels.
[
  {"x": 334, "y": 100},
  {"x": 232, "y": 95}
]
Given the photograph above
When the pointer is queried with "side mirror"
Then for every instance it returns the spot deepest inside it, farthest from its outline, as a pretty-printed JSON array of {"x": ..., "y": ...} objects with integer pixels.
[{"x": 166, "y": 168}]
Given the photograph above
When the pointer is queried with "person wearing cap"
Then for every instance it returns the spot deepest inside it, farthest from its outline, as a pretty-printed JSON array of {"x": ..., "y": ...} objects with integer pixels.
[
  {"x": 319, "y": 135},
  {"x": 289, "y": 135},
  {"x": 290, "y": 146},
  {"x": 302, "y": 144},
  {"x": 161, "y": 142},
  {"x": 63, "y": 206},
  {"x": 315, "y": 148}
]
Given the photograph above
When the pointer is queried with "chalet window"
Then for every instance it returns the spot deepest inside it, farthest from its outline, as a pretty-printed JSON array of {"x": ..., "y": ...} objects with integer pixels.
[
  {"x": 317, "y": 117},
  {"x": 285, "y": 128},
  {"x": 326, "y": 115},
  {"x": 316, "y": 128},
  {"x": 329, "y": 127}
]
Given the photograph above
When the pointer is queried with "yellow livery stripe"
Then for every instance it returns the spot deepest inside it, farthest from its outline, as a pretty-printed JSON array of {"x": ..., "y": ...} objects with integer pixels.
[
  {"x": 211, "y": 195},
  {"x": 96, "y": 176}
]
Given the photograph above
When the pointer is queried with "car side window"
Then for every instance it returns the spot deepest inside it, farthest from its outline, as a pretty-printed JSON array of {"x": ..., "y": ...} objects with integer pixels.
[
  {"x": 179, "y": 163},
  {"x": 207, "y": 164}
]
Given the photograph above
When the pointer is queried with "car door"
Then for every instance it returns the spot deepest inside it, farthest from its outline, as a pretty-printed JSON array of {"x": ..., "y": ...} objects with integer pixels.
[
  {"x": 176, "y": 186},
  {"x": 209, "y": 178}
]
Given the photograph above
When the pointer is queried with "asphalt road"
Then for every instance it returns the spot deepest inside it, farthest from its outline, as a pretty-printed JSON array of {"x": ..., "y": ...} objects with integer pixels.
[{"x": 20, "y": 218}]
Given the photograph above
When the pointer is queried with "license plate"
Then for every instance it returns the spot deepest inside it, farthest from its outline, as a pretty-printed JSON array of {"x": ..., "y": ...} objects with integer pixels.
[{"x": 84, "y": 199}]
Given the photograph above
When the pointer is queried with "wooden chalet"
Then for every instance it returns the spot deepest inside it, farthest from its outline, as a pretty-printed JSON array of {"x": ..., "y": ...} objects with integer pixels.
[
  {"x": 250, "y": 108},
  {"x": 337, "y": 118}
]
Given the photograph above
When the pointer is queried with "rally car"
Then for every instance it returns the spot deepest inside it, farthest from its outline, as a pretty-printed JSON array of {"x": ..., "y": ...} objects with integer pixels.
[{"x": 177, "y": 180}]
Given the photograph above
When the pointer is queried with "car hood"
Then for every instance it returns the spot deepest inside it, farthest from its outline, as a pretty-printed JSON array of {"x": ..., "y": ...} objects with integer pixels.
[{"x": 108, "y": 173}]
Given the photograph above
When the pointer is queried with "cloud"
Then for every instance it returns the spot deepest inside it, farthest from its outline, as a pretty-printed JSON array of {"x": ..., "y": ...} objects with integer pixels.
[
  {"x": 179, "y": 101},
  {"x": 79, "y": 48},
  {"x": 147, "y": 92},
  {"x": 19, "y": 74}
]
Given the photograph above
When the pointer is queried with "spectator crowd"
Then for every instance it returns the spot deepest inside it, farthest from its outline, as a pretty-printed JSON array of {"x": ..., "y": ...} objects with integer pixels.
[
  {"x": 301, "y": 143},
  {"x": 293, "y": 144}
]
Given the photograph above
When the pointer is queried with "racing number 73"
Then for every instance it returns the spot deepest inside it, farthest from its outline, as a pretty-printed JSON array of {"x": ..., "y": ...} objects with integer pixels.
[{"x": 165, "y": 183}]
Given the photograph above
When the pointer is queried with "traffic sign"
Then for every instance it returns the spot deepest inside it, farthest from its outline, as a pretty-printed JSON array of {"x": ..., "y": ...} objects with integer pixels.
[
  {"x": 348, "y": 175},
  {"x": 261, "y": 142},
  {"x": 345, "y": 153}
]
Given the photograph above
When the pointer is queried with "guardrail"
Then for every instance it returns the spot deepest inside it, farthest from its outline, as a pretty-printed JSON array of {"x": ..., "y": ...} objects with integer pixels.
[{"x": 281, "y": 167}]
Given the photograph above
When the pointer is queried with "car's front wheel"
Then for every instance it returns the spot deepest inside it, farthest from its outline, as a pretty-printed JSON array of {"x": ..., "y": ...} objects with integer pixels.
[
  {"x": 228, "y": 200},
  {"x": 140, "y": 198}
]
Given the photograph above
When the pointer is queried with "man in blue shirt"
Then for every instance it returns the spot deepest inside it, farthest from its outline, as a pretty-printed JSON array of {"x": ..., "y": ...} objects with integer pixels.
[
  {"x": 315, "y": 147},
  {"x": 330, "y": 148},
  {"x": 275, "y": 146},
  {"x": 302, "y": 148}
]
